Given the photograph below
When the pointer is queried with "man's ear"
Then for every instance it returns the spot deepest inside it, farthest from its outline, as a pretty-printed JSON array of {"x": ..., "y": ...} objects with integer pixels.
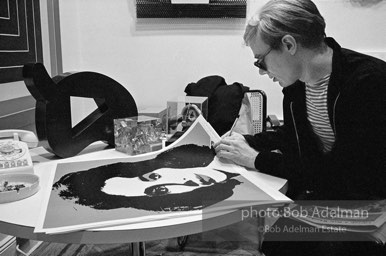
[{"x": 289, "y": 44}]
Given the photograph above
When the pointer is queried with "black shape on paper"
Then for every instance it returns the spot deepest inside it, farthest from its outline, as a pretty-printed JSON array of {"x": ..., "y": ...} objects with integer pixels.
[{"x": 85, "y": 187}]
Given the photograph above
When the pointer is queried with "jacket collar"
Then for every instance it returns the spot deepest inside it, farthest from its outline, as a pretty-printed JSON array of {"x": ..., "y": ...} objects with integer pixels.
[
  {"x": 337, "y": 60},
  {"x": 336, "y": 82}
]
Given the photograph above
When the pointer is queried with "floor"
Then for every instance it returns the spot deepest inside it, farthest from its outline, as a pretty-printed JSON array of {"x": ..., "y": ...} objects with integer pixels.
[{"x": 235, "y": 240}]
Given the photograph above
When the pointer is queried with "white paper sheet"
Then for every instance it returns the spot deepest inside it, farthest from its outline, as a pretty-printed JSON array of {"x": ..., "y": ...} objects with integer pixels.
[{"x": 63, "y": 212}]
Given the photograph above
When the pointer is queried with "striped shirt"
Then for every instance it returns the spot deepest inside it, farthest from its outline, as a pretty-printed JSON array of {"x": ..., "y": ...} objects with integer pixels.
[{"x": 317, "y": 114}]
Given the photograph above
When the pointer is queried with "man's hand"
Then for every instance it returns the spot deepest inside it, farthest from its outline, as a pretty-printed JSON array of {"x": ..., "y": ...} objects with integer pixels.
[{"x": 236, "y": 149}]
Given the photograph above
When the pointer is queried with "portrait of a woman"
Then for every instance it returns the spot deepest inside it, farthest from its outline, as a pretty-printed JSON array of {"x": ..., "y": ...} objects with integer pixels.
[{"x": 178, "y": 179}]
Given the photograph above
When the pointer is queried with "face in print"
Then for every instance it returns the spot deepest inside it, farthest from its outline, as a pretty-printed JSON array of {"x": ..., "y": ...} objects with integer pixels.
[
  {"x": 164, "y": 181},
  {"x": 176, "y": 180}
]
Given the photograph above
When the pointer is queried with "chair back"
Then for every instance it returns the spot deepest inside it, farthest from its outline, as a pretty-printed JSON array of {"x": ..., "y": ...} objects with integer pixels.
[{"x": 258, "y": 102}]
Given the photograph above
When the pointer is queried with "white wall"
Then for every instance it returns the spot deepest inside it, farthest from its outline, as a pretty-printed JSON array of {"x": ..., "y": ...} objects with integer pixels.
[{"x": 155, "y": 65}]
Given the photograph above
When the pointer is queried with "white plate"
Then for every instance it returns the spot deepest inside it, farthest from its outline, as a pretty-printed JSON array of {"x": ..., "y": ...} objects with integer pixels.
[{"x": 30, "y": 181}]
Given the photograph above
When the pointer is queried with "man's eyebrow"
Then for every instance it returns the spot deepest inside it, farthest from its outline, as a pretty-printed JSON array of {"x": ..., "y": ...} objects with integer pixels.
[{"x": 258, "y": 56}]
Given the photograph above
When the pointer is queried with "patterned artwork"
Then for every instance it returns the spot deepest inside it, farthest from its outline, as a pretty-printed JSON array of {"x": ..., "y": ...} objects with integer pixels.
[{"x": 20, "y": 37}]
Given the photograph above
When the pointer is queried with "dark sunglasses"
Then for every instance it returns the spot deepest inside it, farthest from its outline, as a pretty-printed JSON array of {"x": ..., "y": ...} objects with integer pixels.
[{"x": 260, "y": 62}]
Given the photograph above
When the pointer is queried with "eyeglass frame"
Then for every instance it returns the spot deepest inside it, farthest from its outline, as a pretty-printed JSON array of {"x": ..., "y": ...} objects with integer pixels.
[{"x": 259, "y": 63}]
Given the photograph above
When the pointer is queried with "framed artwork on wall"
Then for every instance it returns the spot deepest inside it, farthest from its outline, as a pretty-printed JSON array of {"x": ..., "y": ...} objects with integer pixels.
[
  {"x": 191, "y": 9},
  {"x": 20, "y": 37},
  {"x": 189, "y": 15}
]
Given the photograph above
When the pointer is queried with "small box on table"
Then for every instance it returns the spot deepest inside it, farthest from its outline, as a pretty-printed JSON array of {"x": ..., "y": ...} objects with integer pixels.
[
  {"x": 155, "y": 111},
  {"x": 137, "y": 135},
  {"x": 183, "y": 111}
]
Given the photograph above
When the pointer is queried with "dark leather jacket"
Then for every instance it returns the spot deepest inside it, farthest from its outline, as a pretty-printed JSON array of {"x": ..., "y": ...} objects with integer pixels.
[{"x": 356, "y": 166}]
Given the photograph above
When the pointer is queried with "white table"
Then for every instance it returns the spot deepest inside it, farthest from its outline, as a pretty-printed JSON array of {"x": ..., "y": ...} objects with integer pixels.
[{"x": 19, "y": 218}]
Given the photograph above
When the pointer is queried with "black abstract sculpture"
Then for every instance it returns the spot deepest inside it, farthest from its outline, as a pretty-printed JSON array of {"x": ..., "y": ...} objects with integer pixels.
[{"x": 53, "y": 108}]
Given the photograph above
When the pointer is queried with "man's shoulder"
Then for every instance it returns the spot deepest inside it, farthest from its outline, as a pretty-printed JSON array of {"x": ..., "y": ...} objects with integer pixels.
[
  {"x": 362, "y": 63},
  {"x": 355, "y": 70}
]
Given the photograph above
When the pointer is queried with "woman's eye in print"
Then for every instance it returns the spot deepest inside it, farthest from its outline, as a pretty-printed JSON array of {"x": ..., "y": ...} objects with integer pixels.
[
  {"x": 159, "y": 190},
  {"x": 152, "y": 176}
]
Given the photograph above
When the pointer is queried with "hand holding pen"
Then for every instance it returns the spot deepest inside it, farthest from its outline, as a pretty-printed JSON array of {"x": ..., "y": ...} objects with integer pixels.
[
  {"x": 227, "y": 134},
  {"x": 234, "y": 147}
]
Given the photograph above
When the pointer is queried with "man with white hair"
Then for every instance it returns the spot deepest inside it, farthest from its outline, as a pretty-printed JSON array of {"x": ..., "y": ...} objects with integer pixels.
[{"x": 332, "y": 144}]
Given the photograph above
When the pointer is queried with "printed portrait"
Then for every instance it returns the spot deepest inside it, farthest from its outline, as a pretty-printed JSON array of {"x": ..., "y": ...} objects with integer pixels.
[{"x": 176, "y": 180}]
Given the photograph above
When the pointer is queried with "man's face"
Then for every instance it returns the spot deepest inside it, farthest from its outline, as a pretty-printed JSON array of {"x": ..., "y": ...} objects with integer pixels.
[{"x": 280, "y": 65}]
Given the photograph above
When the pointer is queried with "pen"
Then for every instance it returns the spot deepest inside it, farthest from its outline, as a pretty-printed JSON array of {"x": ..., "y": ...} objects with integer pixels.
[
  {"x": 212, "y": 147},
  {"x": 234, "y": 124}
]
